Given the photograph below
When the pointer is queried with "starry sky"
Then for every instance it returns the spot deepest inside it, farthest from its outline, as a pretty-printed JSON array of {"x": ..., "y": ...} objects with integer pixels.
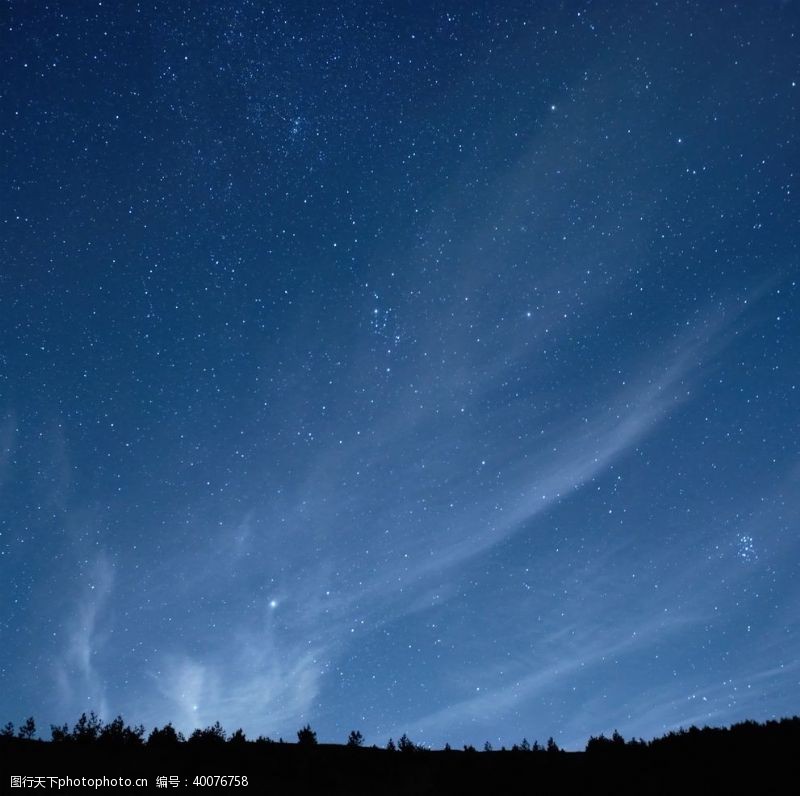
[{"x": 403, "y": 367}]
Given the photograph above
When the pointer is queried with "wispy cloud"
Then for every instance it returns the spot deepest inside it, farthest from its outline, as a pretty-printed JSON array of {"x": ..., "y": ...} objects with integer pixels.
[
  {"x": 538, "y": 475},
  {"x": 257, "y": 682},
  {"x": 79, "y": 675},
  {"x": 348, "y": 560},
  {"x": 608, "y": 627},
  {"x": 664, "y": 707},
  {"x": 598, "y": 628}
]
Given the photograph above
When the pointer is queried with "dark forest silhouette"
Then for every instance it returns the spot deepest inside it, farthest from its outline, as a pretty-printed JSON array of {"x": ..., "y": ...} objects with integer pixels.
[{"x": 746, "y": 757}]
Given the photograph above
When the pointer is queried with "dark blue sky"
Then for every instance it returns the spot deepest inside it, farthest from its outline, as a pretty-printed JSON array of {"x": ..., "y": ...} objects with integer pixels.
[{"x": 407, "y": 367}]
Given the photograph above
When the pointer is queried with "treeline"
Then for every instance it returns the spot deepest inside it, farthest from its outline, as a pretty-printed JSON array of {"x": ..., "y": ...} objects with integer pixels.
[
  {"x": 91, "y": 730},
  {"x": 745, "y": 758}
]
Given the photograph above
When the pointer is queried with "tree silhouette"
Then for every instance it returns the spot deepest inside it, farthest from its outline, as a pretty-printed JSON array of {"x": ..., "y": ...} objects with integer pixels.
[
  {"x": 306, "y": 736},
  {"x": 238, "y": 738},
  {"x": 165, "y": 737},
  {"x": 487, "y": 747},
  {"x": 263, "y": 740},
  {"x": 112, "y": 733},
  {"x": 8, "y": 730},
  {"x": 552, "y": 746},
  {"x": 210, "y": 735},
  {"x": 116, "y": 733},
  {"x": 87, "y": 728},
  {"x": 28, "y": 729},
  {"x": 405, "y": 744},
  {"x": 390, "y": 746},
  {"x": 60, "y": 734},
  {"x": 355, "y": 739}
]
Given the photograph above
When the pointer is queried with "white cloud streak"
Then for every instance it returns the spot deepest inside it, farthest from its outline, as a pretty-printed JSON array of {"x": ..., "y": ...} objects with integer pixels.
[{"x": 78, "y": 673}]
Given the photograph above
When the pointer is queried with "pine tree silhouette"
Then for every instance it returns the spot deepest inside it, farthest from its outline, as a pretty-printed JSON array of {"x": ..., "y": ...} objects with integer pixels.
[
  {"x": 355, "y": 739},
  {"x": 28, "y": 729},
  {"x": 306, "y": 736}
]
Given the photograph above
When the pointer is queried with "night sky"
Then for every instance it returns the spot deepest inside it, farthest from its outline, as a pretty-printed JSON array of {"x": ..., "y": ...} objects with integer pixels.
[{"x": 402, "y": 367}]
